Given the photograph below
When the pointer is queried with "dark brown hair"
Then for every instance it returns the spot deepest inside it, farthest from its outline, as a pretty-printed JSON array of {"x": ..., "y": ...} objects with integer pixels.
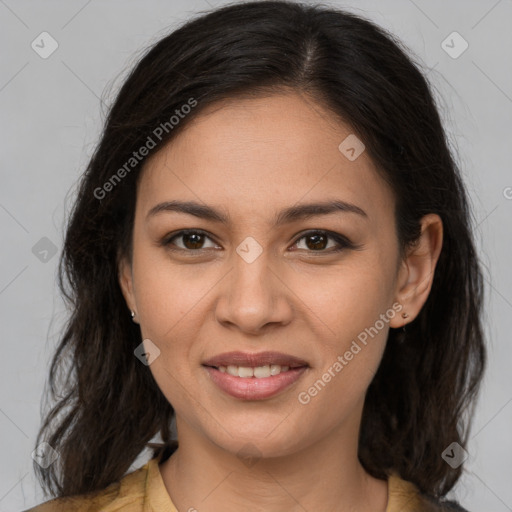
[{"x": 108, "y": 406}]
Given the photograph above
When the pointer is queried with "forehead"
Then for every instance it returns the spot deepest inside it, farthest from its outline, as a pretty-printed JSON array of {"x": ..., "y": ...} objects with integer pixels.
[{"x": 256, "y": 155}]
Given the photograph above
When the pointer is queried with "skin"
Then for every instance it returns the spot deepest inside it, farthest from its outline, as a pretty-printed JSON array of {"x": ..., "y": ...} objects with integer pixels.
[{"x": 250, "y": 158}]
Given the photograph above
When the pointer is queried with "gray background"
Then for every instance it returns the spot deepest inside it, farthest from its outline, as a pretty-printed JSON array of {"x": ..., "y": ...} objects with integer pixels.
[{"x": 51, "y": 116}]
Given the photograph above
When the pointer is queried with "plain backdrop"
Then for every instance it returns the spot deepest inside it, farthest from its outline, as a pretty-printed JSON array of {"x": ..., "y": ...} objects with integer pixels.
[{"x": 51, "y": 117}]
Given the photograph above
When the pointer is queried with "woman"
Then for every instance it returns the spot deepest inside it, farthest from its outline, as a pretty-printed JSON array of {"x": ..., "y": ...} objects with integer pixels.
[{"x": 271, "y": 246}]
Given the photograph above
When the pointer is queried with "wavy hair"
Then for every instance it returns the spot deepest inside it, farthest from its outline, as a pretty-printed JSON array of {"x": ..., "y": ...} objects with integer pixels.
[{"x": 107, "y": 404}]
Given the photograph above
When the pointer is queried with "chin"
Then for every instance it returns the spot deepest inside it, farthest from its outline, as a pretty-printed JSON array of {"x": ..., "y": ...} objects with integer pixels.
[{"x": 258, "y": 442}]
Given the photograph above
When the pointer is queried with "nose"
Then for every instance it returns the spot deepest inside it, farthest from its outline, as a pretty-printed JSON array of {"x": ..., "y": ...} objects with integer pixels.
[{"x": 253, "y": 296}]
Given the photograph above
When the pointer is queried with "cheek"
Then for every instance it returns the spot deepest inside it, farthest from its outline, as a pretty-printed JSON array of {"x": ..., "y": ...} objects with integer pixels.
[
  {"x": 346, "y": 299},
  {"x": 169, "y": 306},
  {"x": 335, "y": 388},
  {"x": 168, "y": 294},
  {"x": 352, "y": 306}
]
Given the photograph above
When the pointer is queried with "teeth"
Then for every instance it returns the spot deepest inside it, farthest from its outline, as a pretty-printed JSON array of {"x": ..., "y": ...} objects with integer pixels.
[
  {"x": 258, "y": 372},
  {"x": 275, "y": 369},
  {"x": 262, "y": 371}
]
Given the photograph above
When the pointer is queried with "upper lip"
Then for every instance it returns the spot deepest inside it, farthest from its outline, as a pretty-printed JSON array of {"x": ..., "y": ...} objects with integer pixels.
[{"x": 255, "y": 360}]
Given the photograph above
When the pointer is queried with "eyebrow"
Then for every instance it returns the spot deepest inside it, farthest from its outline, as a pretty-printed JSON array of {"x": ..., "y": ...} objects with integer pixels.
[{"x": 288, "y": 215}]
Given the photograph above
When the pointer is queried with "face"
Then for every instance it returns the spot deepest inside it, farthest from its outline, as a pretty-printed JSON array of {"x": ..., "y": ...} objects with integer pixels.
[{"x": 320, "y": 286}]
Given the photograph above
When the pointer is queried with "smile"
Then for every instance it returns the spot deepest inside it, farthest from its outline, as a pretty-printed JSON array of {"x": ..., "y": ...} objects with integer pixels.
[{"x": 256, "y": 383}]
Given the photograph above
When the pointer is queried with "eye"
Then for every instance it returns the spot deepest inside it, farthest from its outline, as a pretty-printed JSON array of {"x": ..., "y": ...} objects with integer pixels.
[
  {"x": 192, "y": 240},
  {"x": 317, "y": 241}
]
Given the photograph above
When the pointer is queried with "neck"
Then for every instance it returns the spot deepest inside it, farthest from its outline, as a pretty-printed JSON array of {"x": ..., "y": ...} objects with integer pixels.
[{"x": 325, "y": 475}]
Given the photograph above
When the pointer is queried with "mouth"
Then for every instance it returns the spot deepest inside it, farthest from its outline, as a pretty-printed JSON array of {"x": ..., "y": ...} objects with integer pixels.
[
  {"x": 258, "y": 372},
  {"x": 261, "y": 359},
  {"x": 254, "y": 376}
]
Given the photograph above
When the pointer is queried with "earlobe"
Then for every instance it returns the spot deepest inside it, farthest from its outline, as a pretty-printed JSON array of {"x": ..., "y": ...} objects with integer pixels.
[{"x": 417, "y": 273}]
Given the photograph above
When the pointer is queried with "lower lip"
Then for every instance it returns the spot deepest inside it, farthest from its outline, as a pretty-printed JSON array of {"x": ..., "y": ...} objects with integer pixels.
[{"x": 251, "y": 388}]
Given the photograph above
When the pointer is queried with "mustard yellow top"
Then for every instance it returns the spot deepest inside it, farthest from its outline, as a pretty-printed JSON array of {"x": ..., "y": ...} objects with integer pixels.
[{"x": 143, "y": 490}]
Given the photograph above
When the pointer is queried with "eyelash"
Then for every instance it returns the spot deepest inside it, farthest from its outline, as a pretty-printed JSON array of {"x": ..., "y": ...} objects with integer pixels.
[{"x": 343, "y": 242}]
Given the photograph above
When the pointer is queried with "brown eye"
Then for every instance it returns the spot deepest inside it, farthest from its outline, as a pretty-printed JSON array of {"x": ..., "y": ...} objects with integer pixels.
[
  {"x": 191, "y": 240},
  {"x": 318, "y": 241}
]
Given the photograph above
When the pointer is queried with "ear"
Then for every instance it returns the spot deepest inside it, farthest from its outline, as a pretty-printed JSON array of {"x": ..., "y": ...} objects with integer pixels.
[
  {"x": 125, "y": 277},
  {"x": 416, "y": 274}
]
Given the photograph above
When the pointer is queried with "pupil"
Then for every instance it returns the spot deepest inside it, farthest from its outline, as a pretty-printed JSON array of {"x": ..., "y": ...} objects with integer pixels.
[
  {"x": 319, "y": 241},
  {"x": 194, "y": 244}
]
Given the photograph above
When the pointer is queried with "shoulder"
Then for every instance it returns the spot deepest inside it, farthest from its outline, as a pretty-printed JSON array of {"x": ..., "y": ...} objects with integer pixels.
[
  {"x": 127, "y": 495},
  {"x": 404, "y": 496}
]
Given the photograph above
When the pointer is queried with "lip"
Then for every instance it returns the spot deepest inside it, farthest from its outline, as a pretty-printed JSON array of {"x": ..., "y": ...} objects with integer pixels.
[
  {"x": 254, "y": 360},
  {"x": 252, "y": 388}
]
